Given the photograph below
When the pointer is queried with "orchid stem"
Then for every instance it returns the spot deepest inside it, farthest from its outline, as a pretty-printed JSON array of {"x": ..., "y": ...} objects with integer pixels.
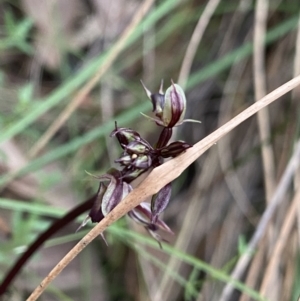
[{"x": 55, "y": 227}]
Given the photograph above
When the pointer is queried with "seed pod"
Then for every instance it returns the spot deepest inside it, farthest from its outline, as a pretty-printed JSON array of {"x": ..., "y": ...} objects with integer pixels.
[{"x": 174, "y": 149}]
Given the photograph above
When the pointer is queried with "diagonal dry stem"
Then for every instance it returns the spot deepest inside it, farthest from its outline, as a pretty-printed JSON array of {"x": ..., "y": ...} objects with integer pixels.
[{"x": 159, "y": 177}]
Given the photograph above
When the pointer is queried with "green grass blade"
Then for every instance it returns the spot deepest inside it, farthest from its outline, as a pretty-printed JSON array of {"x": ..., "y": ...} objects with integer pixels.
[
  {"x": 80, "y": 78},
  {"x": 239, "y": 54},
  {"x": 193, "y": 261}
]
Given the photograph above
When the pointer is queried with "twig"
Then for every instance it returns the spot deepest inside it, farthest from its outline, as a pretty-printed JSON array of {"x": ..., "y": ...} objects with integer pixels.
[
  {"x": 56, "y": 226},
  {"x": 161, "y": 176},
  {"x": 261, "y": 227}
]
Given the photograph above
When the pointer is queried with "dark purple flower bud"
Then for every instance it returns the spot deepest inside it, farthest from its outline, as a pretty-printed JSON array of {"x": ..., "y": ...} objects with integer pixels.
[
  {"x": 142, "y": 162},
  {"x": 125, "y": 136},
  {"x": 135, "y": 161},
  {"x": 137, "y": 147},
  {"x": 169, "y": 108},
  {"x": 126, "y": 160},
  {"x": 160, "y": 201},
  {"x": 108, "y": 196},
  {"x": 175, "y": 106},
  {"x": 113, "y": 194},
  {"x": 174, "y": 149}
]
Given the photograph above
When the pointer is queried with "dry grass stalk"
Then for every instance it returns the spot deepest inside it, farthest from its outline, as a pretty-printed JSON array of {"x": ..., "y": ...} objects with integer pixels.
[
  {"x": 167, "y": 285},
  {"x": 261, "y": 16},
  {"x": 161, "y": 176},
  {"x": 279, "y": 194},
  {"x": 269, "y": 281},
  {"x": 195, "y": 41}
]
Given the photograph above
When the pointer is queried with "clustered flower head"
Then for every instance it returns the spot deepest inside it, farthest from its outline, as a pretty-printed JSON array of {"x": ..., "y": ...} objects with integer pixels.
[{"x": 139, "y": 156}]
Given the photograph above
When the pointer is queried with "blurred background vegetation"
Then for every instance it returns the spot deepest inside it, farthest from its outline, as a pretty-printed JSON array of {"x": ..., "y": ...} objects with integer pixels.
[{"x": 68, "y": 72}]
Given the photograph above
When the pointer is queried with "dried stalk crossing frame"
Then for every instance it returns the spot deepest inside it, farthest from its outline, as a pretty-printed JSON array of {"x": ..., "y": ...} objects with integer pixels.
[{"x": 159, "y": 177}]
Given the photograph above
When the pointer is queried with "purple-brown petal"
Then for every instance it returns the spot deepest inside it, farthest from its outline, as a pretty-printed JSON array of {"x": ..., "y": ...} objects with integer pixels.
[
  {"x": 142, "y": 214},
  {"x": 95, "y": 213},
  {"x": 157, "y": 100},
  {"x": 125, "y": 160},
  {"x": 156, "y": 236},
  {"x": 169, "y": 108},
  {"x": 127, "y": 188},
  {"x": 113, "y": 193},
  {"x": 138, "y": 147},
  {"x": 175, "y": 106},
  {"x": 160, "y": 201},
  {"x": 142, "y": 162},
  {"x": 125, "y": 135}
]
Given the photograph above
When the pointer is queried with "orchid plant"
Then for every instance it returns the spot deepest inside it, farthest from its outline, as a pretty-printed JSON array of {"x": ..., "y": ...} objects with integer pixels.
[{"x": 138, "y": 157}]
